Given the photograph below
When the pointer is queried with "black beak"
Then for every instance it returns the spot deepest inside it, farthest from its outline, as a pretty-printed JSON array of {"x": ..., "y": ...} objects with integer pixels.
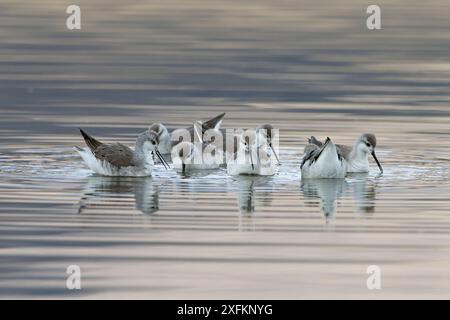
[
  {"x": 162, "y": 159},
  {"x": 376, "y": 160},
  {"x": 251, "y": 160},
  {"x": 183, "y": 167},
  {"x": 273, "y": 150}
]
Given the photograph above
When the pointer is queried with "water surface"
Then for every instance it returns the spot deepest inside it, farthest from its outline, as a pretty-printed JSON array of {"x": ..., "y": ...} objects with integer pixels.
[{"x": 307, "y": 67}]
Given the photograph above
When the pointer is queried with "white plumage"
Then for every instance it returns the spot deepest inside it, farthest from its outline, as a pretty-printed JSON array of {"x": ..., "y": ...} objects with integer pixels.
[
  {"x": 106, "y": 169},
  {"x": 323, "y": 162}
]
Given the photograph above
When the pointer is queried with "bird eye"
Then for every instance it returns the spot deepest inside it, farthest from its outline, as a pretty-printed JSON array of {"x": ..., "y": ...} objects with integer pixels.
[{"x": 367, "y": 144}]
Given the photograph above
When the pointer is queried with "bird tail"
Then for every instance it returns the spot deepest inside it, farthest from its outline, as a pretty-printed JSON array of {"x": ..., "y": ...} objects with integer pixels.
[
  {"x": 313, "y": 140},
  {"x": 213, "y": 123},
  {"x": 90, "y": 141}
]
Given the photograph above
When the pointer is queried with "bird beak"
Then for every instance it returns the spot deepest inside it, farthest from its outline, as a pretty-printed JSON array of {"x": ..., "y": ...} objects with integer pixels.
[
  {"x": 273, "y": 150},
  {"x": 165, "y": 164},
  {"x": 376, "y": 160},
  {"x": 251, "y": 161}
]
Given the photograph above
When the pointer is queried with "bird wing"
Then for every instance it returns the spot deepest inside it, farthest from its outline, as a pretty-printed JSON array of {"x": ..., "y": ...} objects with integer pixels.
[
  {"x": 313, "y": 140},
  {"x": 116, "y": 154},
  {"x": 343, "y": 150},
  {"x": 91, "y": 142},
  {"x": 213, "y": 123},
  {"x": 309, "y": 153}
]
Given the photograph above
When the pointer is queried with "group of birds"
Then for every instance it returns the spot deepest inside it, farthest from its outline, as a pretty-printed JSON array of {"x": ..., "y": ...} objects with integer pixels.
[{"x": 253, "y": 153}]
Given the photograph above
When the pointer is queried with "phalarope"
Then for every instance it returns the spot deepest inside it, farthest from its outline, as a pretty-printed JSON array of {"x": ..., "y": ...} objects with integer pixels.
[
  {"x": 323, "y": 162},
  {"x": 165, "y": 138},
  {"x": 357, "y": 157},
  {"x": 201, "y": 155},
  {"x": 267, "y": 131},
  {"x": 117, "y": 159},
  {"x": 252, "y": 155}
]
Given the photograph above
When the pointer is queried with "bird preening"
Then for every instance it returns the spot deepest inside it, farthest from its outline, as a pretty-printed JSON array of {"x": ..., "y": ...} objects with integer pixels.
[
  {"x": 201, "y": 147},
  {"x": 329, "y": 160}
]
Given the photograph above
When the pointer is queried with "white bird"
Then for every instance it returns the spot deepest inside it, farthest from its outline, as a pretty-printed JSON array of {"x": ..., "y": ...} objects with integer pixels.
[
  {"x": 252, "y": 155},
  {"x": 201, "y": 155},
  {"x": 165, "y": 137},
  {"x": 267, "y": 131},
  {"x": 357, "y": 157},
  {"x": 323, "y": 162},
  {"x": 117, "y": 159}
]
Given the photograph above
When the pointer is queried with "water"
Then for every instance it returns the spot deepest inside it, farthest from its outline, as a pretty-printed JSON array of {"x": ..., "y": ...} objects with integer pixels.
[{"x": 306, "y": 67}]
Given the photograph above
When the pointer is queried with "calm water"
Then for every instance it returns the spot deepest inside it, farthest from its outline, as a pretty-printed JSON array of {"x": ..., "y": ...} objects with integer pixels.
[{"x": 308, "y": 67}]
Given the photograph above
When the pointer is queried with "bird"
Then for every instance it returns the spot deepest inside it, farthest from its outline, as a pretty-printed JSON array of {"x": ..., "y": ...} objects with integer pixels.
[
  {"x": 323, "y": 161},
  {"x": 201, "y": 155},
  {"x": 165, "y": 136},
  {"x": 116, "y": 159},
  {"x": 268, "y": 132},
  {"x": 252, "y": 155},
  {"x": 357, "y": 157}
]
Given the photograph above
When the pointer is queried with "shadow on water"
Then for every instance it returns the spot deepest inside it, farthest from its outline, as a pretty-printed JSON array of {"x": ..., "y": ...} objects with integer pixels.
[{"x": 105, "y": 189}]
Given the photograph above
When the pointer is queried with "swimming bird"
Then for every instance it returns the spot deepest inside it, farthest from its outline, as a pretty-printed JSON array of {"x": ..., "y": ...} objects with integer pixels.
[
  {"x": 117, "y": 159},
  {"x": 201, "y": 155},
  {"x": 267, "y": 131},
  {"x": 323, "y": 162},
  {"x": 357, "y": 157},
  {"x": 252, "y": 155},
  {"x": 165, "y": 136}
]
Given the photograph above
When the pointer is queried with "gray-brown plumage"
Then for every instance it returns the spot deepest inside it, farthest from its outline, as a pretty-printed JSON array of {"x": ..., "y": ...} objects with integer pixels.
[
  {"x": 116, "y": 154},
  {"x": 343, "y": 150},
  {"x": 212, "y": 123},
  {"x": 119, "y": 155},
  {"x": 90, "y": 141}
]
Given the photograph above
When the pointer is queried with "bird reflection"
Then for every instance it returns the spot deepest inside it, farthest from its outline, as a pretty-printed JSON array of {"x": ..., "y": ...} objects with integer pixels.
[
  {"x": 364, "y": 192},
  {"x": 327, "y": 190},
  {"x": 146, "y": 194},
  {"x": 359, "y": 185},
  {"x": 247, "y": 193}
]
